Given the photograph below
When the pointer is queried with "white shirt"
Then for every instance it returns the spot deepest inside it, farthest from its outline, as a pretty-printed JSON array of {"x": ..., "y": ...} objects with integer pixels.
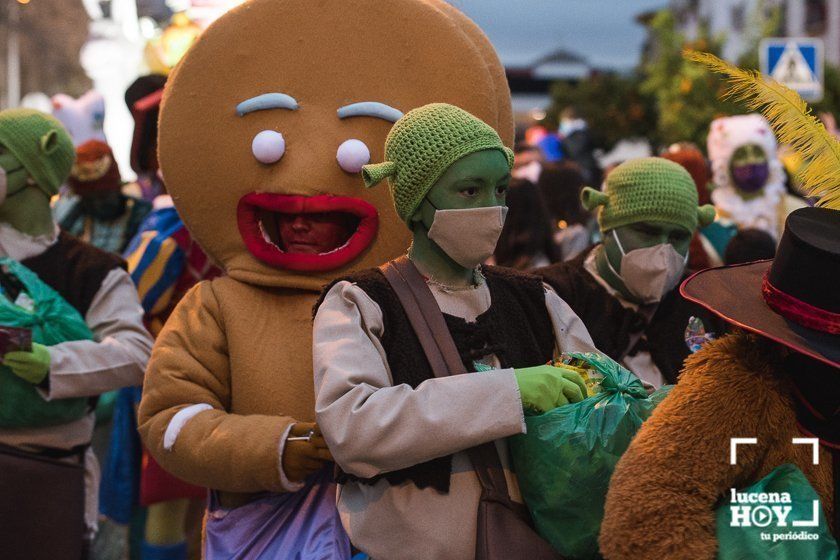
[{"x": 373, "y": 426}]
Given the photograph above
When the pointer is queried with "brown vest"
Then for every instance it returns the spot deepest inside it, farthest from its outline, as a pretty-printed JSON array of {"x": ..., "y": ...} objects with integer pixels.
[
  {"x": 516, "y": 329},
  {"x": 74, "y": 269}
]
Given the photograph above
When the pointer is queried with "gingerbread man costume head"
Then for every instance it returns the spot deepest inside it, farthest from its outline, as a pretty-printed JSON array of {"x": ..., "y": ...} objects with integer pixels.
[{"x": 278, "y": 105}]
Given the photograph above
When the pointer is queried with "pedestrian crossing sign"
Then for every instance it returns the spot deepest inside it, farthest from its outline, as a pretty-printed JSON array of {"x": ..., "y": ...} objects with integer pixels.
[{"x": 796, "y": 63}]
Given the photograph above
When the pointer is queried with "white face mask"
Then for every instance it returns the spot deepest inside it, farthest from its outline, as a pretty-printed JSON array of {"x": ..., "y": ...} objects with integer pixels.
[
  {"x": 651, "y": 272},
  {"x": 469, "y": 235}
]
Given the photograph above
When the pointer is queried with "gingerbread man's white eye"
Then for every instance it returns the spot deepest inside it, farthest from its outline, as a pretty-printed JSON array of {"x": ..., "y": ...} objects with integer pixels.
[
  {"x": 352, "y": 155},
  {"x": 268, "y": 146}
]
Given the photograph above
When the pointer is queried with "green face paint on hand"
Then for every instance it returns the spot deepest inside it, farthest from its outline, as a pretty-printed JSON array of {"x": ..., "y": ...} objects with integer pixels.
[{"x": 458, "y": 223}]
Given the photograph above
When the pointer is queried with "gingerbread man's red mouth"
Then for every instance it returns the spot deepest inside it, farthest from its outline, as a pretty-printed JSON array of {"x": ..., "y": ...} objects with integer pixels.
[{"x": 257, "y": 216}]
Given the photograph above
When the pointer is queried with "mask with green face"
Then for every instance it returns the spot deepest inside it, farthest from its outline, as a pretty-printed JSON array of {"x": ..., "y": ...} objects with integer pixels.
[
  {"x": 468, "y": 201},
  {"x": 749, "y": 169},
  {"x": 651, "y": 272},
  {"x": 468, "y": 235},
  {"x": 448, "y": 172}
]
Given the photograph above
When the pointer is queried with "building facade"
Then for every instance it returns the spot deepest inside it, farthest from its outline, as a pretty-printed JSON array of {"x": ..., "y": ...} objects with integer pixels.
[{"x": 738, "y": 22}]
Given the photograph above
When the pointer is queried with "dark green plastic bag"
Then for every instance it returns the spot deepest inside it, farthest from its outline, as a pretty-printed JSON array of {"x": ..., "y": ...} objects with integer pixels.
[
  {"x": 785, "y": 542},
  {"x": 52, "y": 321},
  {"x": 565, "y": 461}
]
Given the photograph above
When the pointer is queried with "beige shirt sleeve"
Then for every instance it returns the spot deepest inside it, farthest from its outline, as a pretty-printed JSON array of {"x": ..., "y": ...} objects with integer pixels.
[
  {"x": 372, "y": 426},
  {"x": 118, "y": 354},
  {"x": 183, "y": 417}
]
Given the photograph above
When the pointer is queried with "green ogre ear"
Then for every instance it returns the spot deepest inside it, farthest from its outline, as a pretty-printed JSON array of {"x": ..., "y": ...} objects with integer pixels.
[
  {"x": 705, "y": 215},
  {"x": 592, "y": 199},
  {"x": 375, "y": 173},
  {"x": 49, "y": 142}
]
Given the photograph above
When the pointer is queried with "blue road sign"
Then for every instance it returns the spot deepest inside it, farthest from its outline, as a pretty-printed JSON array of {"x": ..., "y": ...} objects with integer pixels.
[{"x": 796, "y": 63}]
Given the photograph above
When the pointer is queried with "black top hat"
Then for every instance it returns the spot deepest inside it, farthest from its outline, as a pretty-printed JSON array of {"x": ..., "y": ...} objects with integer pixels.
[{"x": 793, "y": 299}]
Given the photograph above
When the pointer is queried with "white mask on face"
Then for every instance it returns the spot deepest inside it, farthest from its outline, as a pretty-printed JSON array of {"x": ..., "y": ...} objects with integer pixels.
[
  {"x": 469, "y": 235},
  {"x": 651, "y": 272}
]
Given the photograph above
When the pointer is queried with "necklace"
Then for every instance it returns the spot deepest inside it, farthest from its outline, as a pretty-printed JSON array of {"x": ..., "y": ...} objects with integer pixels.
[{"x": 478, "y": 279}]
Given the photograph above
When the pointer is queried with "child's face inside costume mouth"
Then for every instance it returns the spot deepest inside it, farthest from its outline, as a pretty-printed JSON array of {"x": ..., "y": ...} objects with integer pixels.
[{"x": 314, "y": 234}]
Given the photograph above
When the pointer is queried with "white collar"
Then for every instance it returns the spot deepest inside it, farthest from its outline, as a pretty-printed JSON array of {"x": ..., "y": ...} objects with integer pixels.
[
  {"x": 592, "y": 268},
  {"x": 19, "y": 246}
]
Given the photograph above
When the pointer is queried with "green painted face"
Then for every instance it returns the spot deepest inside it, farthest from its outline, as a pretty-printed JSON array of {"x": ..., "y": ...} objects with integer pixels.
[
  {"x": 26, "y": 207},
  {"x": 645, "y": 234},
  {"x": 748, "y": 154},
  {"x": 16, "y": 174},
  {"x": 477, "y": 180}
]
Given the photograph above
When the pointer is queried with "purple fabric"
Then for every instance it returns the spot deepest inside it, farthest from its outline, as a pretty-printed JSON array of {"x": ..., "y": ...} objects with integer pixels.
[
  {"x": 303, "y": 525},
  {"x": 751, "y": 177}
]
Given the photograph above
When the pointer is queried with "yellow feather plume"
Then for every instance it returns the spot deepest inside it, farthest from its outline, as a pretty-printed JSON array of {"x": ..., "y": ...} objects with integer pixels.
[{"x": 791, "y": 119}]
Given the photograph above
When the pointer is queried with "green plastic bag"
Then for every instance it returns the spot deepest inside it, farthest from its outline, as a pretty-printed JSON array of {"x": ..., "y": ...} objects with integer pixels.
[
  {"x": 52, "y": 321},
  {"x": 565, "y": 460},
  {"x": 781, "y": 539}
]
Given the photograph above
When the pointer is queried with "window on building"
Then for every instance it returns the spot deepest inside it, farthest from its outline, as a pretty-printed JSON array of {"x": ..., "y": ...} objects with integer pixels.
[
  {"x": 815, "y": 17},
  {"x": 739, "y": 18}
]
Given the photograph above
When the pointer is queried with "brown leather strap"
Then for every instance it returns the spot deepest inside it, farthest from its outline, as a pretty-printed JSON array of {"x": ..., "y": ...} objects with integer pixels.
[
  {"x": 416, "y": 318},
  {"x": 428, "y": 323}
]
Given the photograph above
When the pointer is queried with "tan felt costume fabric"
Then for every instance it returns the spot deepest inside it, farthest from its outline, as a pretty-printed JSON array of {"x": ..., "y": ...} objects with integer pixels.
[
  {"x": 242, "y": 344},
  {"x": 326, "y": 54},
  {"x": 662, "y": 496}
]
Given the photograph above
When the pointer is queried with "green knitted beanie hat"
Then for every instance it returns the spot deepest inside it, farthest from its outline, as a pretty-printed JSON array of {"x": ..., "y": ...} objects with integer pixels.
[
  {"x": 648, "y": 190},
  {"x": 423, "y": 144},
  {"x": 40, "y": 143}
]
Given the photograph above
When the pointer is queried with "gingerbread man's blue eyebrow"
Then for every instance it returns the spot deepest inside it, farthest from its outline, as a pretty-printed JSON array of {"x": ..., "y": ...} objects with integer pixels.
[
  {"x": 267, "y": 101},
  {"x": 370, "y": 109}
]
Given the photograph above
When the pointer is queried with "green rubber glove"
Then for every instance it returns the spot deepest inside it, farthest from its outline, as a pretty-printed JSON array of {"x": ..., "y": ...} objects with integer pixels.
[
  {"x": 29, "y": 366},
  {"x": 544, "y": 388}
]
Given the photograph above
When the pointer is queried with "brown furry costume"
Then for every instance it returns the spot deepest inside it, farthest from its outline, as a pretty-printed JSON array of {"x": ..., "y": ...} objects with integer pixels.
[
  {"x": 663, "y": 493},
  {"x": 241, "y": 346}
]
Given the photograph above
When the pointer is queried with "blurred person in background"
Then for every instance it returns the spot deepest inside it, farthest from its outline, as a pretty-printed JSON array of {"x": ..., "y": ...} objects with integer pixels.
[
  {"x": 527, "y": 162},
  {"x": 748, "y": 176},
  {"x": 143, "y": 98},
  {"x": 750, "y": 245},
  {"x": 560, "y": 186},
  {"x": 95, "y": 209},
  {"x": 577, "y": 145},
  {"x": 527, "y": 239}
]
